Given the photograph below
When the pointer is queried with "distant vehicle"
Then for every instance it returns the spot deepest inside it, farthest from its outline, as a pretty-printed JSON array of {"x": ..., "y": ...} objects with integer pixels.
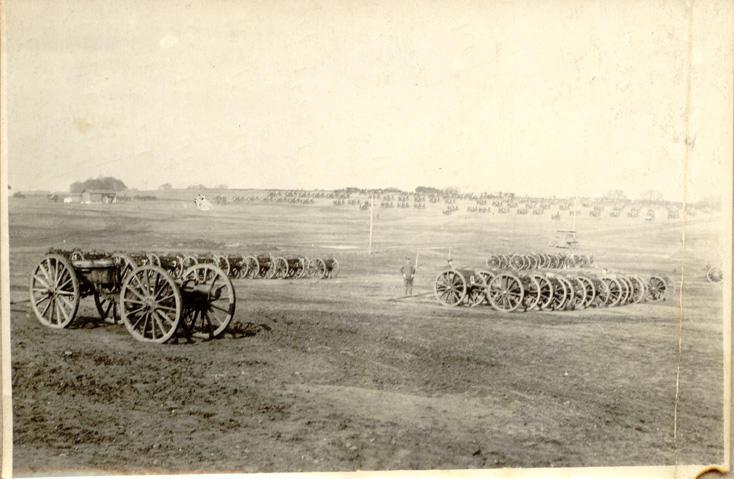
[{"x": 565, "y": 239}]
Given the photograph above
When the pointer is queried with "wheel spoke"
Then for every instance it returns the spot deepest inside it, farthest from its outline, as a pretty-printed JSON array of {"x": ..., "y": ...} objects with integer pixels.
[{"x": 42, "y": 281}]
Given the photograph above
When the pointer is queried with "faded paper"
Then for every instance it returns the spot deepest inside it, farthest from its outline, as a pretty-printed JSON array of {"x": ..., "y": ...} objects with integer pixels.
[{"x": 251, "y": 108}]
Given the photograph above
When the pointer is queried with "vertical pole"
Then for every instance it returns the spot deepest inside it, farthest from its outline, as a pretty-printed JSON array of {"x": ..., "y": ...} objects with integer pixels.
[{"x": 369, "y": 248}]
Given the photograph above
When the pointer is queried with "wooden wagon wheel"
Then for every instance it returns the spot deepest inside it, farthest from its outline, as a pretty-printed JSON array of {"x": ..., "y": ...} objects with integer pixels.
[
  {"x": 450, "y": 287},
  {"x": 532, "y": 295},
  {"x": 316, "y": 268},
  {"x": 560, "y": 293},
  {"x": 626, "y": 290},
  {"x": 272, "y": 267},
  {"x": 570, "y": 293},
  {"x": 107, "y": 307},
  {"x": 236, "y": 263},
  {"x": 505, "y": 292},
  {"x": 578, "y": 299},
  {"x": 223, "y": 262},
  {"x": 494, "y": 262},
  {"x": 589, "y": 291},
  {"x": 54, "y": 291},
  {"x": 615, "y": 290},
  {"x": 532, "y": 261},
  {"x": 153, "y": 259},
  {"x": 253, "y": 267},
  {"x": 517, "y": 262},
  {"x": 150, "y": 304},
  {"x": 209, "y": 301},
  {"x": 333, "y": 267},
  {"x": 656, "y": 288},
  {"x": 125, "y": 265},
  {"x": 639, "y": 289},
  {"x": 281, "y": 268},
  {"x": 545, "y": 291}
]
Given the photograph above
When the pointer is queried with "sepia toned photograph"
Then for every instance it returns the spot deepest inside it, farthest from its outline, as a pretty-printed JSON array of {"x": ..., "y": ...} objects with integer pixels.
[{"x": 336, "y": 236}]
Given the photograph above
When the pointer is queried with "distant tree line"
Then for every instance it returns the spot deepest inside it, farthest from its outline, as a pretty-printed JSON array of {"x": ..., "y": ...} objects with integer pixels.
[{"x": 100, "y": 183}]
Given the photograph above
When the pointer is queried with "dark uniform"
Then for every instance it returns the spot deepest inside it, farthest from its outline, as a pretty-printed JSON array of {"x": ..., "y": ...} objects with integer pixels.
[{"x": 408, "y": 271}]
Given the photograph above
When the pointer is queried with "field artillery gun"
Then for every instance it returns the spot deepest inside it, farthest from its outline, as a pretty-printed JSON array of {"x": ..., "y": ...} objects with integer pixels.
[
  {"x": 564, "y": 239},
  {"x": 460, "y": 287},
  {"x": 322, "y": 268},
  {"x": 152, "y": 304},
  {"x": 297, "y": 267}
]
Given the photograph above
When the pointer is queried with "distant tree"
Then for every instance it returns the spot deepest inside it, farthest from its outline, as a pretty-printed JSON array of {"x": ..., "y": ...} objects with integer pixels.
[
  {"x": 99, "y": 183},
  {"x": 196, "y": 187},
  {"x": 221, "y": 187},
  {"x": 165, "y": 187}
]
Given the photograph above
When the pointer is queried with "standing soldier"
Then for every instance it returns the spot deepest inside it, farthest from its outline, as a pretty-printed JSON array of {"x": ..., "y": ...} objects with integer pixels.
[{"x": 408, "y": 271}]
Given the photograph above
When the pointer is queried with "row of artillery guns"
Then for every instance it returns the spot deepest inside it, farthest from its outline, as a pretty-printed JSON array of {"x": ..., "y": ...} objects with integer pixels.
[
  {"x": 545, "y": 282},
  {"x": 234, "y": 266},
  {"x": 158, "y": 297}
]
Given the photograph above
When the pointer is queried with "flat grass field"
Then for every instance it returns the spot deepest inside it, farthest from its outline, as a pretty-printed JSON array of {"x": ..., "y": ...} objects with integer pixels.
[{"x": 345, "y": 374}]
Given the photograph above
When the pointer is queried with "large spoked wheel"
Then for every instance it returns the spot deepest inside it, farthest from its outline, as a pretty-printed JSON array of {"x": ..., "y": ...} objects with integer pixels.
[
  {"x": 532, "y": 295},
  {"x": 560, "y": 293},
  {"x": 281, "y": 268},
  {"x": 590, "y": 291},
  {"x": 494, "y": 262},
  {"x": 150, "y": 304},
  {"x": 639, "y": 289},
  {"x": 223, "y": 263},
  {"x": 615, "y": 291},
  {"x": 656, "y": 288},
  {"x": 568, "y": 304},
  {"x": 333, "y": 268},
  {"x": 626, "y": 290},
  {"x": 316, "y": 268},
  {"x": 153, "y": 259},
  {"x": 178, "y": 267},
  {"x": 476, "y": 293},
  {"x": 505, "y": 292},
  {"x": 107, "y": 307},
  {"x": 125, "y": 266},
  {"x": 545, "y": 291},
  {"x": 210, "y": 301},
  {"x": 450, "y": 287},
  {"x": 302, "y": 268},
  {"x": 578, "y": 299},
  {"x": 55, "y": 292},
  {"x": 253, "y": 267}
]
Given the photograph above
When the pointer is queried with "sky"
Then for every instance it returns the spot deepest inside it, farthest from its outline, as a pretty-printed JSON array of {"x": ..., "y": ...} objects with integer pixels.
[{"x": 545, "y": 98}]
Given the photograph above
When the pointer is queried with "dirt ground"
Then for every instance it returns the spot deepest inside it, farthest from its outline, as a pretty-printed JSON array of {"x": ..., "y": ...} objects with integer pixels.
[{"x": 345, "y": 374}]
